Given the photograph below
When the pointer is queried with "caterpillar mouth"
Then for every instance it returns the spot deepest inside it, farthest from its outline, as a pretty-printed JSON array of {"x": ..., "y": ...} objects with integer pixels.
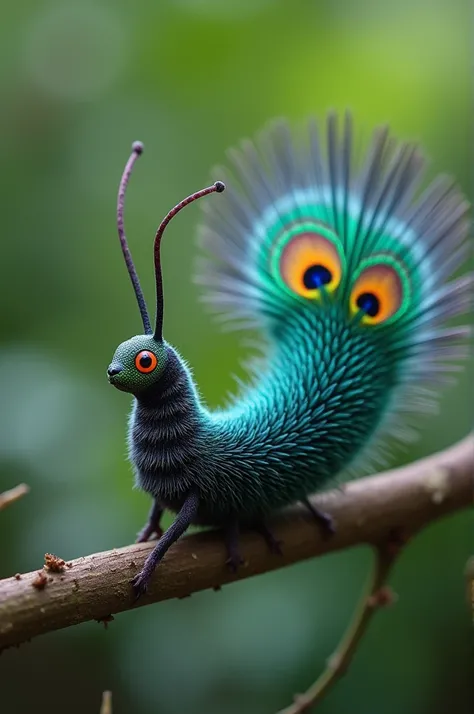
[
  {"x": 113, "y": 381},
  {"x": 112, "y": 372}
]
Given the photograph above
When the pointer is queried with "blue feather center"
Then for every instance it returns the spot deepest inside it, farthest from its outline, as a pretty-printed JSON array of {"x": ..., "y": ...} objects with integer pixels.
[
  {"x": 316, "y": 276},
  {"x": 369, "y": 303}
]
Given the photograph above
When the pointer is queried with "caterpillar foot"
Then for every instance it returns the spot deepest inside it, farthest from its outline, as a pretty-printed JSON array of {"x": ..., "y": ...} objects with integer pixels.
[
  {"x": 274, "y": 545},
  {"x": 140, "y": 584},
  {"x": 147, "y": 532},
  {"x": 153, "y": 524},
  {"x": 231, "y": 535},
  {"x": 324, "y": 520},
  {"x": 234, "y": 561}
]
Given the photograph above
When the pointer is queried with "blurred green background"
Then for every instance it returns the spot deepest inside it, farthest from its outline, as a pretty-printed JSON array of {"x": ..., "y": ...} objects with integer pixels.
[{"x": 79, "y": 81}]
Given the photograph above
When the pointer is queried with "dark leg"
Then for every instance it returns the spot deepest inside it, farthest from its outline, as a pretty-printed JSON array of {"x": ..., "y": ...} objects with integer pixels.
[
  {"x": 231, "y": 536},
  {"x": 325, "y": 521},
  {"x": 153, "y": 524},
  {"x": 273, "y": 544},
  {"x": 177, "y": 528}
]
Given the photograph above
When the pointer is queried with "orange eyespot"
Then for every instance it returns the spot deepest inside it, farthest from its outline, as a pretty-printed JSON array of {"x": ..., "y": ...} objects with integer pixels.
[
  {"x": 308, "y": 262},
  {"x": 378, "y": 291},
  {"x": 145, "y": 361}
]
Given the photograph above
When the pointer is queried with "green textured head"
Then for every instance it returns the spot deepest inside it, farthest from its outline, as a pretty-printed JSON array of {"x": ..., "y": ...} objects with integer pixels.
[{"x": 139, "y": 362}]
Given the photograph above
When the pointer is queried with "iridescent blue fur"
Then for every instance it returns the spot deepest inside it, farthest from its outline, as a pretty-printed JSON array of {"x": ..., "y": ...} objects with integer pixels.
[{"x": 317, "y": 403}]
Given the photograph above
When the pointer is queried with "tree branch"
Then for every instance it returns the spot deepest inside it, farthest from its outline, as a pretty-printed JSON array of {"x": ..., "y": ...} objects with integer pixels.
[
  {"x": 377, "y": 595},
  {"x": 369, "y": 510}
]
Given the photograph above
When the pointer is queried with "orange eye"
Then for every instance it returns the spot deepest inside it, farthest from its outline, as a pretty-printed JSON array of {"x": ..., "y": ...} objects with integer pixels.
[
  {"x": 145, "y": 361},
  {"x": 308, "y": 262},
  {"x": 378, "y": 292}
]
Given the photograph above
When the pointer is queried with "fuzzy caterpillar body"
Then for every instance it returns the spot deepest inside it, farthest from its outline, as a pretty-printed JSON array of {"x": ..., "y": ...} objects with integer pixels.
[
  {"x": 346, "y": 270},
  {"x": 290, "y": 433}
]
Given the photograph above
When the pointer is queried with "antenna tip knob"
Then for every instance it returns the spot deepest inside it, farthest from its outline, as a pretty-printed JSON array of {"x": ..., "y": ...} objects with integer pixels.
[
  {"x": 220, "y": 186},
  {"x": 137, "y": 147}
]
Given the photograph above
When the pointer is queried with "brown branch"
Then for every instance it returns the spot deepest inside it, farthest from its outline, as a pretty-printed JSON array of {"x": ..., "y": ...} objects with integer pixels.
[
  {"x": 366, "y": 511},
  {"x": 13, "y": 494}
]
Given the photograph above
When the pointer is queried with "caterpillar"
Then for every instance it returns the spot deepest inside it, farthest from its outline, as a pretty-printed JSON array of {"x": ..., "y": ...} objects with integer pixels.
[{"x": 345, "y": 264}]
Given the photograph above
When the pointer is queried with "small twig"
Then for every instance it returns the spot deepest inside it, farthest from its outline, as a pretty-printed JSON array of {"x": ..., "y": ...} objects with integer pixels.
[
  {"x": 375, "y": 596},
  {"x": 106, "y": 706},
  {"x": 13, "y": 494}
]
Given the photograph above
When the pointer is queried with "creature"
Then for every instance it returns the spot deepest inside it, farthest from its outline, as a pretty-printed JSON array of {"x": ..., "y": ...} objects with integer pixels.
[{"x": 346, "y": 268}]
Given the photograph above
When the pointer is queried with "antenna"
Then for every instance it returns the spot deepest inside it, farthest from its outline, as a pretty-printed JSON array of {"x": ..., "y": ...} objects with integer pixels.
[
  {"x": 218, "y": 187},
  {"x": 137, "y": 149}
]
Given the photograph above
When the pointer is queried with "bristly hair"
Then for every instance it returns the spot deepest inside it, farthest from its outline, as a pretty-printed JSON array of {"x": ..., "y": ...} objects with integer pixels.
[{"x": 375, "y": 206}]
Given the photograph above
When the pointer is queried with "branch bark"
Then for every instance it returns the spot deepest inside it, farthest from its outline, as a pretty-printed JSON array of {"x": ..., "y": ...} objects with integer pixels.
[{"x": 369, "y": 510}]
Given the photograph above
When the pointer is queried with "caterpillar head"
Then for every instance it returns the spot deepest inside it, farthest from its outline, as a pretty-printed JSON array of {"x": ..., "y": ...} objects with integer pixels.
[
  {"x": 140, "y": 362},
  {"x": 137, "y": 364}
]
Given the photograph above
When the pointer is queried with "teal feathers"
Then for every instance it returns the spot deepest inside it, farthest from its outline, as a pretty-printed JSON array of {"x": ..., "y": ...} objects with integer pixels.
[
  {"x": 346, "y": 267},
  {"x": 287, "y": 184}
]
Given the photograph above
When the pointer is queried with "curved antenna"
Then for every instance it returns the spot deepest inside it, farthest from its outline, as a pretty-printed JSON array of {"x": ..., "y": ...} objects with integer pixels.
[
  {"x": 218, "y": 187},
  {"x": 137, "y": 149}
]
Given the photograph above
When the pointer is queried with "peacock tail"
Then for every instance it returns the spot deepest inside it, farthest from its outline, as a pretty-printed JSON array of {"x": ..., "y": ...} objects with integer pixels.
[{"x": 341, "y": 259}]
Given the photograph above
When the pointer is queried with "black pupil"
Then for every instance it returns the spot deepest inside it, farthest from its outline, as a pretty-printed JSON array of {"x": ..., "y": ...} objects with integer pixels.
[
  {"x": 316, "y": 276},
  {"x": 145, "y": 360},
  {"x": 369, "y": 303}
]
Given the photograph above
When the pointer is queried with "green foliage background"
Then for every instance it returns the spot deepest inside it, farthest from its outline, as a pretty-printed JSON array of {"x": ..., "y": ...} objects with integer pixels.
[{"x": 79, "y": 82}]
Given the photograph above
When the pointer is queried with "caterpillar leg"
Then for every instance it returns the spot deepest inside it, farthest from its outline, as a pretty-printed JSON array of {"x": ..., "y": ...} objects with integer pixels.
[
  {"x": 323, "y": 519},
  {"x": 153, "y": 524},
  {"x": 182, "y": 522},
  {"x": 231, "y": 536},
  {"x": 273, "y": 544}
]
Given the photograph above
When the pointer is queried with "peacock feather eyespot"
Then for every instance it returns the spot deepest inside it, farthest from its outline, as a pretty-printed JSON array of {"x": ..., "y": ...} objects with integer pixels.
[
  {"x": 308, "y": 260},
  {"x": 146, "y": 361},
  {"x": 381, "y": 290}
]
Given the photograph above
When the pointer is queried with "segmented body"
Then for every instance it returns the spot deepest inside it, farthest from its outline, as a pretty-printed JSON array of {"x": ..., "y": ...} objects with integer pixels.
[
  {"x": 334, "y": 376},
  {"x": 314, "y": 407}
]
